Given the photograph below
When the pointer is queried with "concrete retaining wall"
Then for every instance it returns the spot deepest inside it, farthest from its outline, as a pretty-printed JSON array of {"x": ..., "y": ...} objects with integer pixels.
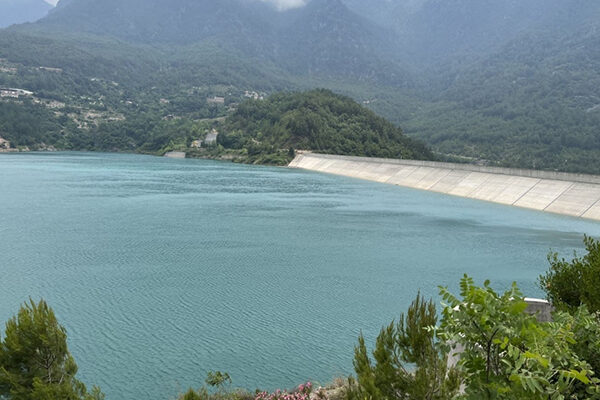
[
  {"x": 558, "y": 192},
  {"x": 175, "y": 154},
  {"x": 541, "y": 309}
]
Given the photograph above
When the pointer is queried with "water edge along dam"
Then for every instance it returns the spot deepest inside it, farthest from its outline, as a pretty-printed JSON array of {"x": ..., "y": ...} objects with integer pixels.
[{"x": 575, "y": 195}]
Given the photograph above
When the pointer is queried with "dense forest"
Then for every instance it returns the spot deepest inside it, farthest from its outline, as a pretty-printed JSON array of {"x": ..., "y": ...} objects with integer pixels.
[{"x": 317, "y": 120}]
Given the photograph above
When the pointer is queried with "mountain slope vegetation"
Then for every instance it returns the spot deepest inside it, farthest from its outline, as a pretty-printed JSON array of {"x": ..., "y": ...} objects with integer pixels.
[
  {"x": 300, "y": 40},
  {"x": 500, "y": 82},
  {"x": 165, "y": 21},
  {"x": 533, "y": 103},
  {"x": 317, "y": 120}
]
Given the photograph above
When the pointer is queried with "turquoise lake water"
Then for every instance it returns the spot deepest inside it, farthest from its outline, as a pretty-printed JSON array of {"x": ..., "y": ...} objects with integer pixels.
[{"x": 164, "y": 269}]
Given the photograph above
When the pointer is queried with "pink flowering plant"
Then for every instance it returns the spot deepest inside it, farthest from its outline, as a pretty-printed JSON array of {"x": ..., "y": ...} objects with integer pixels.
[{"x": 303, "y": 392}]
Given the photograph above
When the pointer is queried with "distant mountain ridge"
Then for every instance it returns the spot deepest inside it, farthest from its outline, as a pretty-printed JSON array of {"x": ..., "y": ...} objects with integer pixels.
[
  {"x": 322, "y": 38},
  {"x": 448, "y": 29},
  {"x": 379, "y": 40},
  {"x": 162, "y": 21},
  {"x": 327, "y": 38}
]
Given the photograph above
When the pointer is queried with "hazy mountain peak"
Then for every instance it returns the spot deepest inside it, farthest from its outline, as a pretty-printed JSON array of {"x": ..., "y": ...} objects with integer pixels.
[
  {"x": 328, "y": 4},
  {"x": 283, "y": 5}
]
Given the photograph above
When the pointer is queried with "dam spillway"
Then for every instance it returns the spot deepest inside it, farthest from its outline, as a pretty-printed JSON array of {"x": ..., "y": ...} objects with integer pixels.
[{"x": 575, "y": 195}]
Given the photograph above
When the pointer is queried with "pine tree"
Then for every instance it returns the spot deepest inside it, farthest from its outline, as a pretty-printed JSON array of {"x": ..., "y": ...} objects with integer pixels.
[
  {"x": 409, "y": 363},
  {"x": 35, "y": 363}
]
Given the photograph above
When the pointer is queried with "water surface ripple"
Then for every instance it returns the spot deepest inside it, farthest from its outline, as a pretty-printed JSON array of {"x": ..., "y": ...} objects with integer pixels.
[{"x": 163, "y": 269}]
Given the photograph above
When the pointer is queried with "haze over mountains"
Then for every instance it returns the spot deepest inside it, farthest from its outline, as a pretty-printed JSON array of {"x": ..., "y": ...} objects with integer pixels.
[
  {"x": 509, "y": 81},
  {"x": 322, "y": 37},
  {"x": 20, "y": 11}
]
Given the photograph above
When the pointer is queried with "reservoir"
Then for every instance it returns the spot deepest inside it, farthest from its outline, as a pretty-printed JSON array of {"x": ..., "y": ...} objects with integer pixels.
[{"x": 163, "y": 269}]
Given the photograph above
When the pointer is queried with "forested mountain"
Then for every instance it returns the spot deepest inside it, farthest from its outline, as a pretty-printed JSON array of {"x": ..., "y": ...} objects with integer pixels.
[
  {"x": 443, "y": 30},
  {"x": 20, "y": 11},
  {"x": 389, "y": 13},
  {"x": 318, "y": 120},
  {"x": 323, "y": 38},
  {"x": 235, "y": 22},
  {"x": 528, "y": 97},
  {"x": 503, "y": 82},
  {"x": 537, "y": 101}
]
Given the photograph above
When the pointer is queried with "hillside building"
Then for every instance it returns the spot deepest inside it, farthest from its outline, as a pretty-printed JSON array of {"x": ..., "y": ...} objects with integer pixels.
[
  {"x": 14, "y": 93},
  {"x": 4, "y": 144},
  {"x": 50, "y": 69},
  {"x": 216, "y": 100},
  {"x": 211, "y": 138},
  {"x": 9, "y": 93},
  {"x": 253, "y": 95}
]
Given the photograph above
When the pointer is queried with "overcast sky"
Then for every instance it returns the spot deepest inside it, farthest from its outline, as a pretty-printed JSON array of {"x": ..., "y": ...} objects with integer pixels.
[
  {"x": 285, "y": 4},
  {"x": 281, "y": 4}
]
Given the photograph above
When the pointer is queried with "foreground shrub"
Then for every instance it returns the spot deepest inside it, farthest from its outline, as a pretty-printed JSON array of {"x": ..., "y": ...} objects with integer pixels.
[
  {"x": 204, "y": 394},
  {"x": 408, "y": 361},
  {"x": 570, "y": 284},
  {"x": 35, "y": 363},
  {"x": 586, "y": 333},
  {"x": 507, "y": 353},
  {"x": 217, "y": 388}
]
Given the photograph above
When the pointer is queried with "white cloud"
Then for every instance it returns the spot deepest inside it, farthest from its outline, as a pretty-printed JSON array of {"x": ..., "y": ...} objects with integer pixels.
[
  {"x": 53, "y": 2},
  {"x": 286, "y": 4}
]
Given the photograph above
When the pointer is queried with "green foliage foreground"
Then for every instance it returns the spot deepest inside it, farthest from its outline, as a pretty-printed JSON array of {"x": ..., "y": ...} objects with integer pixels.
[
  {"x": 505, "y": 353},
  {"x": 508, "y": 354},
  {"x": 409, "y": 361},
  {"x": 35, "y": 363},
  {"x": 570, "y": 284}
]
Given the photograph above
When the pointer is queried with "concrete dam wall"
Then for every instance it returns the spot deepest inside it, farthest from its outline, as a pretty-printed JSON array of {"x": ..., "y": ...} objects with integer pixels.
[{"x": 575, "y": 195}]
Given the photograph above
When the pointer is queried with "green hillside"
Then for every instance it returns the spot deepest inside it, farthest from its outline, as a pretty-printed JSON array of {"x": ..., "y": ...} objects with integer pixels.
[
  {"x": 534, "y": 104},
  {"x": 317, "y": 120},
  {"x": 99, "y": 93}
]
